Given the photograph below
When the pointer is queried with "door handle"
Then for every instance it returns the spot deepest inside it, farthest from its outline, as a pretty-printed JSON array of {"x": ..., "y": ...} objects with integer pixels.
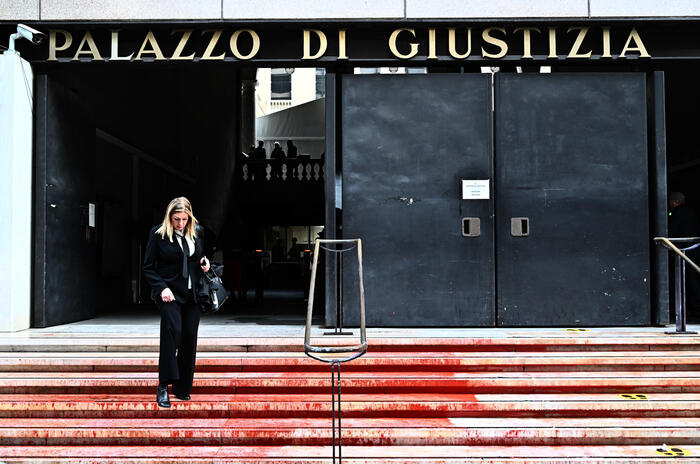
[
  {"x": 519, "y": 226},
  {"x": 471, "y": 227}
]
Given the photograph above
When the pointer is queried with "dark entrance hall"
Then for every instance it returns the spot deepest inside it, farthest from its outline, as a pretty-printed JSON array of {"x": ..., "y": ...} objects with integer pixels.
[{"x": 113, "y": 147}]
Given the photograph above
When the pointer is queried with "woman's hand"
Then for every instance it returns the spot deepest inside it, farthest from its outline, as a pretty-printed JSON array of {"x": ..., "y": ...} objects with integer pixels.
[
  {"x": 167, "y": 295},
  {"x": 205, "y": 264}
]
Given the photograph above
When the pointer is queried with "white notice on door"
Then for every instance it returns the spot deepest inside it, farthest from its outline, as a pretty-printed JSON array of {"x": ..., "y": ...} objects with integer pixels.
[
  {"x": 475, "y": 189},
  {"x": 91, "y": 214}
]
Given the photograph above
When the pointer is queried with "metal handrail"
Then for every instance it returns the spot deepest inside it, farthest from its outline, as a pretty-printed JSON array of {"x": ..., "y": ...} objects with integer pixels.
[
  {"x": 355, "y": 350},
  {"x": 681, "y": 260},
  {"x": 668, "y": 243}
]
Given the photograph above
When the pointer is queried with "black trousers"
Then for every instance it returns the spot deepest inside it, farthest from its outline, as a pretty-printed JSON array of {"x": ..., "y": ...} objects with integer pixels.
[{"x": 178, "y": 344}]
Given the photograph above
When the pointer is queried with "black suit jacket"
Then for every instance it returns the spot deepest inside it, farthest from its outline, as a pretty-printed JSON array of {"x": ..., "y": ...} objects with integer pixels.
[{"x": 162, "y": 265}]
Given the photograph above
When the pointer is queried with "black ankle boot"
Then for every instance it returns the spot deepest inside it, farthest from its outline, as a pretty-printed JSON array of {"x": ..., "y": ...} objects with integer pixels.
[
  {"x": 162, "y": 396},
  {"x": 179, "y": 395},
  {"x": 178, "y": 392}
]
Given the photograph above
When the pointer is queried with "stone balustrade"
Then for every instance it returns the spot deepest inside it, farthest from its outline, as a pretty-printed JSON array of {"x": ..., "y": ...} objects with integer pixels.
[{"x": 275, "y": 170}]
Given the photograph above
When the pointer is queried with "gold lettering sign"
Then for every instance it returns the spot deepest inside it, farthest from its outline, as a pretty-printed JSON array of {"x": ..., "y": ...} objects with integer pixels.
[
  {"x": 177, "y": 54},
  {"x": 452, "y": 44},
  {"x": 606, "y": 43},
  {"x": 154, "y": 50},
  {"x": 342, "y": 53},
  {"x": 552, "y": 43},
  {"x": 431, "y": 45},
  {"x": 215, "y": 35},
  {"x": 527, "y": 42},
  {"x": 114, "y": 56},
  {"x": 395, "y": 51},
  {"x": 582, "y": 31},
  {"x": 434, "y": 43},
  {"x": 92, "y": 46},
  {"x": 639, "y": 45},
  {"x": 254, "y": 49},
  {"x": 307, "y": 44},
  {"x": 488, "y": 38},
  {"x": 53, "y": 43}
]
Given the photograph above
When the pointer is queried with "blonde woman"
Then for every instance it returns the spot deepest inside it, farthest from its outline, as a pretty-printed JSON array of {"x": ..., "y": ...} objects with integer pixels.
[{"x": 173, "y": 263}]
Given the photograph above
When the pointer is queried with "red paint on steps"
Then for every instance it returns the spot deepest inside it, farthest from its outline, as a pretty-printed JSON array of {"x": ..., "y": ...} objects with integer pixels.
[
  {"x": 377, "y": 362},
  {"x": 206, "y": 383},
  {"x": 433, "y": 413},
  {"x": 438, "y": 452},
  {"x": 145, "y": 435}
]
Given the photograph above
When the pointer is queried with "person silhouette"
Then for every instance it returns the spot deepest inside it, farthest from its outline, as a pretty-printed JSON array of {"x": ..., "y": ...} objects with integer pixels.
[
  {"x": 277, "y": 152},
  {"x": 682, "y": 219},
  {"x": 277, "y": 157},
  {"x": 293, "y": 253},
  {"x": 259, "y": 152},
  {"x": 291, "y": 149},
  {"x": 259, "y": 156}
]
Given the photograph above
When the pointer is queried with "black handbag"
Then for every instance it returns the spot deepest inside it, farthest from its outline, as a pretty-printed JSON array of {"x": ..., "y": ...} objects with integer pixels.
[{"x": 211, "y": 293}]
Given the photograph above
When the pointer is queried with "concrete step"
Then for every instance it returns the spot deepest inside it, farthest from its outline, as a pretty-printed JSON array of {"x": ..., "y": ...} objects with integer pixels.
[
  {"x": 351, "y": 454},
  {"x": 386, "y": 361},
  {"x": 523, "y": 399},
  {"x": 359, "y": 382},
  {"x": 531, "y": 341},
  {"x": 429, "y": 405},
  {"x": 356, "y": 432}
]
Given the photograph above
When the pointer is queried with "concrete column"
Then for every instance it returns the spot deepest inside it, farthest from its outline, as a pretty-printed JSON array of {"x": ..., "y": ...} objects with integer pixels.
[
  {"x": 16, "y": 123},
  {"x": 247, "y": 113}
]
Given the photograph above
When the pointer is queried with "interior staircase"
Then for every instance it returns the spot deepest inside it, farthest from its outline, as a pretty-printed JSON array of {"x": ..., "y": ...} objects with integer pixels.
[{"x": 574, "y": 397}]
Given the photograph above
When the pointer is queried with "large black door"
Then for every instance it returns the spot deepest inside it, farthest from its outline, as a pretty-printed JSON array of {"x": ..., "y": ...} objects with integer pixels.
[
  {"x": 571, "y": 196},
  {"x": 64, "y": 242},
  {"x": 572, "y": 199},
  {"x": 407, "y": 143}
]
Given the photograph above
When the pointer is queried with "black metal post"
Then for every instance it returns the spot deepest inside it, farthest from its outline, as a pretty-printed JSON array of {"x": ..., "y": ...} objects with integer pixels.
[
  {"x": 339, "y": 309},
  {"x": 680, "y": 324},
  {"x": 680, "y": 302},
  {"x": 336, "y": 384}
]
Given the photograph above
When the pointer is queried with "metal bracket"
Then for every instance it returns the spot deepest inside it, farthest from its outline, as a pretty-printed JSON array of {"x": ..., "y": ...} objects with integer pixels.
[
  {"x": 471, "y": 227},
  {"x": 519, "y": 226}
]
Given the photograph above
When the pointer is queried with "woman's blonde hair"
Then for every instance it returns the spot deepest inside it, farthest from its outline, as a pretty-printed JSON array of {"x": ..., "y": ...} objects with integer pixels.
[{"x": 178, "y": 205}]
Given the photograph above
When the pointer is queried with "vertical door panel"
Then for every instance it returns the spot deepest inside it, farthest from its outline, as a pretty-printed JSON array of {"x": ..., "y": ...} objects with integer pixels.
[
  {"x": 65, "y": 251},
  {"x": 407, "y": 142},
  {"x": 571, "y": 155},
  {"x": 658, "y": 200}
]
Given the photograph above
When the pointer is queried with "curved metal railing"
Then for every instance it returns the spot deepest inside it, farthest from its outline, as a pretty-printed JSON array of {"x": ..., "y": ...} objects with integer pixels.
[
  {"x": 349, "y": 352},
  {"x": 680, "y": 263},
  {"x": 355, "y": 350}
]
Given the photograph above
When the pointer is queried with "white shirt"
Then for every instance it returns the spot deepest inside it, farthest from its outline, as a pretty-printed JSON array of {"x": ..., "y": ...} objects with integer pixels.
[{"x": 190, "y": 244}]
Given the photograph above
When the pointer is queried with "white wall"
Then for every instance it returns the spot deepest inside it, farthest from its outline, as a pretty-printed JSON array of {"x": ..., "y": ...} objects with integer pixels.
[
  {"x": 16, "y": 100},
  {"x": 312, "y": 9},
  {"x": 339, "y": 9},
  {"x": 642, "y": 8},
  {"x": 18, "y": 9},
  {"x": 496, "y": 9},
  {"x": 303, "y": 91}
]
